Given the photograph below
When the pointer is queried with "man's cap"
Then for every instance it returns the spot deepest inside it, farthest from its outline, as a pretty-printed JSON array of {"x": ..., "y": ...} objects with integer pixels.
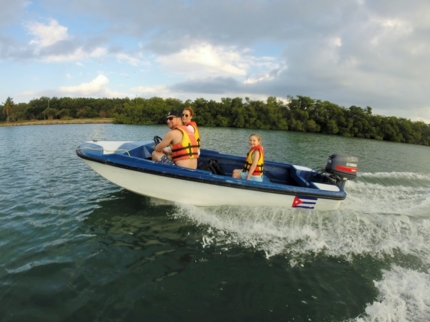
[{"x": 174, "y": 113}]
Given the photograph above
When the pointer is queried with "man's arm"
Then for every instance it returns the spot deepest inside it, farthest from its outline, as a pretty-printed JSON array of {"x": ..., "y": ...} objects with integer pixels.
[{"x": 168, "y": 138}]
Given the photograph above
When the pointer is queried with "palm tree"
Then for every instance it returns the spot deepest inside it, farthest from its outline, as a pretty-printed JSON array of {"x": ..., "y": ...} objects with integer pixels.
[{"x": 7, "y": 108}]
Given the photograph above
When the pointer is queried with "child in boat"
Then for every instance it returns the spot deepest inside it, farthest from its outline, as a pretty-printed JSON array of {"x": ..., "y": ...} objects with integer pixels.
[{"x": 254, "y": 163}]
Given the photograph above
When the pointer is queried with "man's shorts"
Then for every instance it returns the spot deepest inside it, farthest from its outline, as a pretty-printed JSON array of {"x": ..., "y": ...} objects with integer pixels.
[{"x": 164, "y": 159}]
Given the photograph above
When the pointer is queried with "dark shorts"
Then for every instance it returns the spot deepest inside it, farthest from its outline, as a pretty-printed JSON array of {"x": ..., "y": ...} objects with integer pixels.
[{"x": 166, "y": 160}]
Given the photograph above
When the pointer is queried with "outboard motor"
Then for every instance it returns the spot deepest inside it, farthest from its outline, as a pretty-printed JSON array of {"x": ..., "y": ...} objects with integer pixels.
[{"x": 342, "y": 167}]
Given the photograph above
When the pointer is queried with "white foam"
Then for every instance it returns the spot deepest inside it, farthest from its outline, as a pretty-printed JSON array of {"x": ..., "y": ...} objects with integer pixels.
[
  {"x": 387, "y": 196},
  {"x": 296, "y": 233},
  {"x": 397, "y": 175},
  {"x": 383, "y": 216},
  {"x": 404, "y": 295}
]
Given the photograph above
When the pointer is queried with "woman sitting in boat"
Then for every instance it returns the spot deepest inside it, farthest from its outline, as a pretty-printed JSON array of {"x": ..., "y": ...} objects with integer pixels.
[
  {"x": 254, "y": 163},
  {"x": 187, "y": 115},
  {"x": 182, "y": 143}
]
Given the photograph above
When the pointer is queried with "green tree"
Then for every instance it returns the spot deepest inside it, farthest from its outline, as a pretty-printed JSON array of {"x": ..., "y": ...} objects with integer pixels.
[
  {"x": 50, "y": 113},
  {"x": 312, "y": 126},
  {"x": 8, "y": 106},
  {"x": 64, "y": 113},
  {"x": 82, "y": 113},
  {"x": 332, "y": 127},
  {"x": 298, "y": 114}
]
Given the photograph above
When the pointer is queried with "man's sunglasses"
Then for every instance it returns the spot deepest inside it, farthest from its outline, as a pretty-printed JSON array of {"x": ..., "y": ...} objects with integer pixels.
[{"x": 169, "y": 118}]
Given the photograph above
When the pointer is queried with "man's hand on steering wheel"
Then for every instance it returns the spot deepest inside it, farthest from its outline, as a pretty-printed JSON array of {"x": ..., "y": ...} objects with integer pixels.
[{"x": 157, "y": 139}]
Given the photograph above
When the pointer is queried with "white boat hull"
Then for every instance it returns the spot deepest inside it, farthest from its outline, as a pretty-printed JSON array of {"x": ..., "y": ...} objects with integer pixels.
[{"x": 197, "y": 193}]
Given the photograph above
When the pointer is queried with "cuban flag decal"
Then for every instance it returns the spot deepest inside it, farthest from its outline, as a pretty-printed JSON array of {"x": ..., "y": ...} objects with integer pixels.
[{"x": 304, "y": 202}]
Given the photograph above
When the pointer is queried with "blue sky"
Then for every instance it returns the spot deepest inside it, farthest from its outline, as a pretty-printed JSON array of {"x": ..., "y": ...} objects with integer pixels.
[{"x": 348, "y": 52}]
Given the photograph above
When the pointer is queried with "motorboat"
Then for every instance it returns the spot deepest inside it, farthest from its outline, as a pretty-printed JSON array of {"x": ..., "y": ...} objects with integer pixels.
[{"x": 128, "y": 164}]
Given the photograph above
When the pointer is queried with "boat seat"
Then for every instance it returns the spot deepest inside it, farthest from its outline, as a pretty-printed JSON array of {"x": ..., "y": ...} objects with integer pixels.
[
  {"x": 212, "y": 166},
  {"x": 142, "y": 152},
  {"x": 299, "y": 179}
]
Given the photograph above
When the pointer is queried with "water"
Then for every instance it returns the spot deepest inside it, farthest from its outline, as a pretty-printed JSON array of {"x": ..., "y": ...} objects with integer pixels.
[{"x": 75, "y": 247}]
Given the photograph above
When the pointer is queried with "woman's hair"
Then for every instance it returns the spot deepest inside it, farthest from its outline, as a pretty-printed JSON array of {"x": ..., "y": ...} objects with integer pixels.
[
  {"x": 257, "y": 136},
  {"x": 190, "y": 109}
]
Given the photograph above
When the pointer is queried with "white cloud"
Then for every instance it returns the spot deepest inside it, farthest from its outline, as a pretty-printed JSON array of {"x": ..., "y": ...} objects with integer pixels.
[
  {"x": 158, "y": 90},
  {"x": 47, "y": 35},
  {"x": 98, "y": 87},
  {"x": 350, "y": 53},
  {"x": 129, "y": 59},
  {"x": 93, "y": 87},
  {"x": 266, "y": 76},
  {"x": 98, "y": 52},
  {"x": 77, "y": 54},
  {"x": 11, "y": 11},
  {"x": 207, "y": 59}
]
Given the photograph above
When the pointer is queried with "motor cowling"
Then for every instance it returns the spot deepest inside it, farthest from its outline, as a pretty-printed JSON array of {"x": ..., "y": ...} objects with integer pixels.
[{"x": 342, "y": 167}]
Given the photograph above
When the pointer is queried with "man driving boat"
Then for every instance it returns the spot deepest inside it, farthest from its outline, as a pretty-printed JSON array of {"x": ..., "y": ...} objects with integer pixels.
[{"x": 179, "y": 146}]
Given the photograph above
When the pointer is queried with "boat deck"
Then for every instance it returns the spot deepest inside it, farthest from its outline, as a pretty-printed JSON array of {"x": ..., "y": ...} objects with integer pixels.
[{"x": 278, "y": 173}]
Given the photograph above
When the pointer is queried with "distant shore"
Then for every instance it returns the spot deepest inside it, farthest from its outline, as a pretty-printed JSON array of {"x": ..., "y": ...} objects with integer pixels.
[{"x": 48, "y": 122}]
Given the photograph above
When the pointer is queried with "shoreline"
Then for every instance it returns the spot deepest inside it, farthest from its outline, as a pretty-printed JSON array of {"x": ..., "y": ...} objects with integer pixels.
[{"x": 49, "y": 122}]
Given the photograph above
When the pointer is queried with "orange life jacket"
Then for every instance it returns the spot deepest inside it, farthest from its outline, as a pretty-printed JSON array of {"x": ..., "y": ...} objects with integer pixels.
[
  {"x": 187, "y": 148},
  {"x": 260, "y": 164},
  {"x": 196, "y": 131}
]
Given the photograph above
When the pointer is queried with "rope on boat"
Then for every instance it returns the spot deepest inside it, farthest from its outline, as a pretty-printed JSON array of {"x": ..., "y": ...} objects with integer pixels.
[{"x": 102, "y": 149}]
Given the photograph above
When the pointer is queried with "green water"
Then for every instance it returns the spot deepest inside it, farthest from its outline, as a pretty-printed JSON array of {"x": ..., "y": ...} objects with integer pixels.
[{"x": 75, "y": 247}]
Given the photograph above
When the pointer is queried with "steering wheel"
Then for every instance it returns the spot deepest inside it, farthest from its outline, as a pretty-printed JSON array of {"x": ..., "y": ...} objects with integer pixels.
[{"x": 157, "y": 139}]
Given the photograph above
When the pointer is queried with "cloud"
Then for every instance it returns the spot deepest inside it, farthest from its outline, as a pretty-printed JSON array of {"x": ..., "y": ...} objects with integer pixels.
[
  {"x": 158, "y": 90},
  {"x": 205, "y": 59},
  {"x": 210, "y": 85},
  {"x": 47, "y": 34},
  {"x": 91, "y": 88},
  {"x": 129, "y": 59},
  {"x": 268, "y": 76},
  {"x": 11, "y": 11},
  {"x": 76, "y": 55},
  {"x": 97, "y": 87},
  {"x": 348, "y": 52},
  {"x": 53, "y": 44},
  {"x": 213, "y": 61}
]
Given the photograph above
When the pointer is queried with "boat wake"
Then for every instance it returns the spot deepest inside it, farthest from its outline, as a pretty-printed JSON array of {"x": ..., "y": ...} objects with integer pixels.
[
  {"x": 389, "y": 193},
  {"x": 403, "y": 296},
  {"x": 379, "y": 217},
  {"x": 385, "y": 216}
]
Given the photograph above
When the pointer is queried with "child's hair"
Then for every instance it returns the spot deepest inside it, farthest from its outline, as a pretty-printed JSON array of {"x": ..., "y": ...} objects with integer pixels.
[
  {"x": 257, "y": 136},
  {"x": 189, "y": 108}
]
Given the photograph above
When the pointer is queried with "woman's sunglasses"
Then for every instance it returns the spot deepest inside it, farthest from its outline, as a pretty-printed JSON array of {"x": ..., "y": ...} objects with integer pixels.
[{"x": 186, "y": 115}]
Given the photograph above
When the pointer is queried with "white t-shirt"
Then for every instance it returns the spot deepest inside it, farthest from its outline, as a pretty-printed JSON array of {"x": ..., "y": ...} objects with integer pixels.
[{"x": 191, "y": 128}]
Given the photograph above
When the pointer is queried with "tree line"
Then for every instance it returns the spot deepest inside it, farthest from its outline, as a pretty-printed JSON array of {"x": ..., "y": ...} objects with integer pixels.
[{"x": 300, "y": 113}]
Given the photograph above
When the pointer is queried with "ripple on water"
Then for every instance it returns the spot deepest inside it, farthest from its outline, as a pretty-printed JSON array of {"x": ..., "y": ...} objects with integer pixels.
[{"x": 74, "y": 246}]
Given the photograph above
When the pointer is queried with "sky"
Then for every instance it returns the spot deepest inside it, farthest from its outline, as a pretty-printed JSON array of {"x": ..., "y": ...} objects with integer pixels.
[{"x": 348, "y": 52}]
